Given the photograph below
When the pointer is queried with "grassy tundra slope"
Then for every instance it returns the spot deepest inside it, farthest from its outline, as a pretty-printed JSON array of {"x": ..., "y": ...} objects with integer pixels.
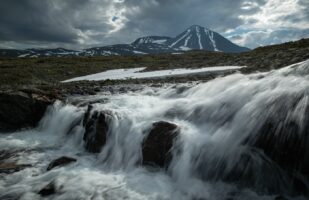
[{"x": 16, "y": 72}]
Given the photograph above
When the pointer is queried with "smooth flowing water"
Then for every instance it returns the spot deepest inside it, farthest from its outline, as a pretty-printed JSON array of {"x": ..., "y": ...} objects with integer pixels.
[{"x": 219, "y": 122}]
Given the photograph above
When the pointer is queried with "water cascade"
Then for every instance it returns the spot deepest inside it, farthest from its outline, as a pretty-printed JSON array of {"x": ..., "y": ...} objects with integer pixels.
[{"x": 235, "y": 137}]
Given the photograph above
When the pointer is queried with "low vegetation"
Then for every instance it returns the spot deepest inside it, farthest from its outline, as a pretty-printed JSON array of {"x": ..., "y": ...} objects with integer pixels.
[{"x": 50, "y": 70}]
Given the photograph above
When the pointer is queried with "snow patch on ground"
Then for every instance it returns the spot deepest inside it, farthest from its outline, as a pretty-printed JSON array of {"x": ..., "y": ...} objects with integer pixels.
[
  {"x": 135, "y": 73},
  {"x": 184, "y": 48},
  {"x": 23, "y": 55},
  {"x": 139, "y": 52}
]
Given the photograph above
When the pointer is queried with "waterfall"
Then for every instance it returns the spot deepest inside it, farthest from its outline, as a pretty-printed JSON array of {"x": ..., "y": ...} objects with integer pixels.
[{"x": 238, "y": 137}]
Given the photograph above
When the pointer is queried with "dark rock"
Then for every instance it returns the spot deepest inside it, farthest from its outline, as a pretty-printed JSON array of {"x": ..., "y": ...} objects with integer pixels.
[
  {"x": 62, "y": 161},
  {"x": 273, "y": 160},
  {"x": 284, "y": 139},
  {"x": 91, "y": 92},
  {"x": 49, "y": 189},
  {"x": 156, "y": 148},
  {"x": 280, "y": 197},
  {"x": 246, "y": 168},
  {"x": 21, "y": 110},
  {"x": 287, "y": 145},
  {"x": 96, "y": 129},
  {"x": 96, "y": 89}
]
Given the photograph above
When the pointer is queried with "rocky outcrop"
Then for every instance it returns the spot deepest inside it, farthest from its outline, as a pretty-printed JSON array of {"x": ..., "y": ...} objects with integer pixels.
[
  {"x": 62, "y": 161},
  {"x": 21, "y": 110},
  {"x": 156, "y": 148},
  {"x": 96, "y": 129}
]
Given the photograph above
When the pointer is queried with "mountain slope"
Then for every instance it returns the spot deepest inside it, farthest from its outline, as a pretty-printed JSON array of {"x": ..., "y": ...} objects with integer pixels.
[{"x": 197, "y": 37}]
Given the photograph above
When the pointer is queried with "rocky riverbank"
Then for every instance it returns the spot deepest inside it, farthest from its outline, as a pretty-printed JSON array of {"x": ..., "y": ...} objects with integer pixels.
[{"x": 22, "y": 109}]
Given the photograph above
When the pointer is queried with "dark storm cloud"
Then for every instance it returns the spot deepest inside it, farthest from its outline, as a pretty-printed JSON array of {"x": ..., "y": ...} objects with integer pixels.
[
  {"x": 82, "y": 23},
  {"x": 32, "y": 20}
]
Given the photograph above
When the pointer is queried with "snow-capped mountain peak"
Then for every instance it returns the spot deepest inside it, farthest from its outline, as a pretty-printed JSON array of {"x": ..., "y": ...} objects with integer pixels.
[{"x": 198, "y": 37}]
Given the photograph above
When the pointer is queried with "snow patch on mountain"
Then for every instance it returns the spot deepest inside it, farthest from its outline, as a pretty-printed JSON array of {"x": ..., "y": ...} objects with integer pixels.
[
  {"x": 181, "y": 38},
  {"x": 199, "y": 36}
]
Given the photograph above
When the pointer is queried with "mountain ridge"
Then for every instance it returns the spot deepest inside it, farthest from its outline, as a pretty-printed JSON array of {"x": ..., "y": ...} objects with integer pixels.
[{"x": 193, "y": 38}]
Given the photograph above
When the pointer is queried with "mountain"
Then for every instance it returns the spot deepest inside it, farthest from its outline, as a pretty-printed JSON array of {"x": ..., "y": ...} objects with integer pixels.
[{"x": 194, "y": 38}]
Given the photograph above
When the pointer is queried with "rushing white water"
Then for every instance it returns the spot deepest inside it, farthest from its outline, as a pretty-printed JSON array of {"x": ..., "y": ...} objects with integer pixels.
[
  {"x": 215, "y": 118},
  {"x": 136, "y": 73}
]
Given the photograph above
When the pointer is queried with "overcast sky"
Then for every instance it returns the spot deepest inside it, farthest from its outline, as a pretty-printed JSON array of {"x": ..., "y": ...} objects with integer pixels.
[{"x": 83, "y": 23}]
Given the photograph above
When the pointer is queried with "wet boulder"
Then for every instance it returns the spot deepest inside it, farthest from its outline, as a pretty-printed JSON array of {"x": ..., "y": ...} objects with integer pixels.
[
  {"x": 96, "y": 126},
  {"x": 285, "y": 138},
  {"x": 286, "y": 144},
  {"x": 21, "y": 110},
  {"x": 245, "y": 167},
  {"x": 273, "y": 158},
  {"x": 156, "y": 148},
  {"x": 62, "y": 161}
]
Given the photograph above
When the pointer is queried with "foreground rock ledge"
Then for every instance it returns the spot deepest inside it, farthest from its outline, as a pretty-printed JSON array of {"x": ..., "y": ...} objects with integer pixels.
[{"x": 21, "y": 110}]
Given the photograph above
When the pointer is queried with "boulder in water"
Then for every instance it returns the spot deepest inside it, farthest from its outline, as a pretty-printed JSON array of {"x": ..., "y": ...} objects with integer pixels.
[
  {"x": 156, "y": 148},
  {"x": 49, "y": 189},
  {"x": 284, "y": 139},
  {"x": 246, "y": 167},
  {"x": 274, "y": 157},
  {"x": 96, "y": 129},
  {"x": 62, "y": 161}
]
